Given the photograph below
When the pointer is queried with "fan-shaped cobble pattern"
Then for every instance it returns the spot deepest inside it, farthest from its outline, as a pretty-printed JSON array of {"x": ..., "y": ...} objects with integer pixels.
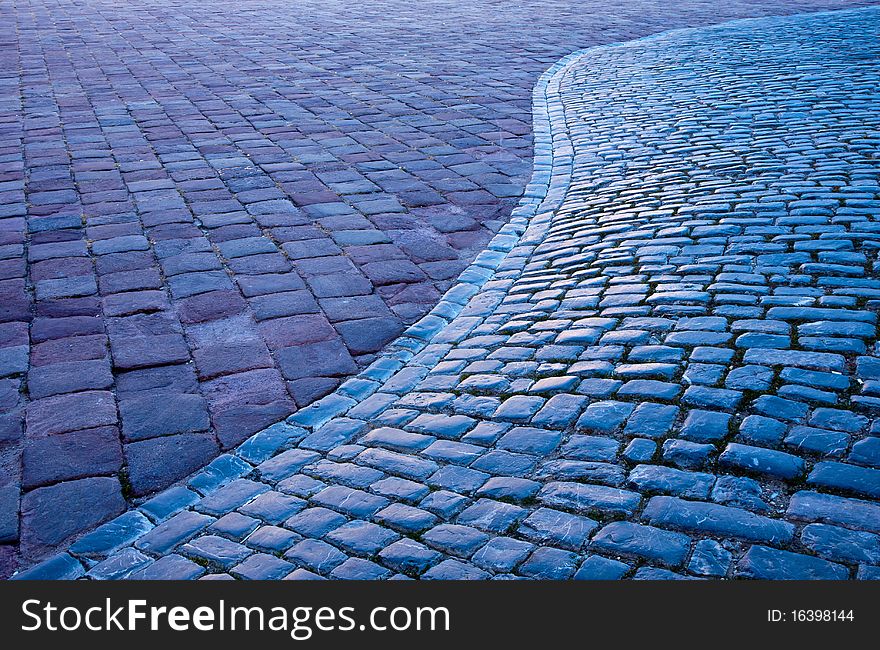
[{"x": 665, "y": 366}]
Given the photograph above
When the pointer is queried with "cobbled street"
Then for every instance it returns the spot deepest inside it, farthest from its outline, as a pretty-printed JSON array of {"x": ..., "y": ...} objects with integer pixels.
[{"x": 633, "y": 338}]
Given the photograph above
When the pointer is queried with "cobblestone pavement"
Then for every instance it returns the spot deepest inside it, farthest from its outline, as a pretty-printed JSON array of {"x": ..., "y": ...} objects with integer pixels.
[
  {"x": 664, "y": 366},
  {"x": 222, "y": 209}
]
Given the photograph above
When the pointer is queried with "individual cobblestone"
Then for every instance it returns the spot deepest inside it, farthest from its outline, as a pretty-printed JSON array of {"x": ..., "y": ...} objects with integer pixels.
[{"x": 692, "y": 216}]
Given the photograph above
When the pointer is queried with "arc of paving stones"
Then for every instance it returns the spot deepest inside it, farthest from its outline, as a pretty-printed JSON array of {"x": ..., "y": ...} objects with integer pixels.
[{"x": 662, "y": 367}]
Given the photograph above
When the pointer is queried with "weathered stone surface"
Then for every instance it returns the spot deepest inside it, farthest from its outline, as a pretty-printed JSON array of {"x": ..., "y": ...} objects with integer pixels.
[
  {"x": 627, "y": 538},
  {"x": 63, "y": 413},
  {"x": 51, "y": 515},
  {"x": 78, "y": 454},
  {"x": 718, "y": 520},
  {"x": 766, "y": 563},
  {"x": 156, "y": 463}
]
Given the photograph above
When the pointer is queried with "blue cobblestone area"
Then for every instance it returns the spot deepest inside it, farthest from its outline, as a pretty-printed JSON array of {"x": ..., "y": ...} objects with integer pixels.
[{"x": 662, "y": 367}]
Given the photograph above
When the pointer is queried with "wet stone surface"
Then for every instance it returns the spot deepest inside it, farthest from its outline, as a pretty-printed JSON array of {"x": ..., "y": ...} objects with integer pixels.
[{"x": 199, "y": 242}]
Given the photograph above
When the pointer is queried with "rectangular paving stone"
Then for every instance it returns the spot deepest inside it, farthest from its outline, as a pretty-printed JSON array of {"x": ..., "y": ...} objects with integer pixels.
[
  {"x": 843, "y": 476},
  {"x": 841, "y": 544},
  {"x": 216, "y": 550},
  {"x": 355, "y": 503},
  {"x": 774, "y": 463},
  {"x": 172, "y": 532},
  {"x": 416, "y": 469},
  {"x": 316, "y": 555},
  {"x": 409, "y": 556},
  {"x": 581, "y": 497},
  {"x": 548, "y": 526},
  {"x": 285, "y": 464},
  {"x": 113, "y": 535},
  {"x": 63, "y": 413},
  {"x": 231, "y": 496},
  {"x": 668, "y": 480},
  {"x": 653, "y": 544},
  {"x": 764, "y": 563},
  {"x": 169, "y": 567},
  {"x": 119, "y": 565},
  {"x": 712, "y": 519}
]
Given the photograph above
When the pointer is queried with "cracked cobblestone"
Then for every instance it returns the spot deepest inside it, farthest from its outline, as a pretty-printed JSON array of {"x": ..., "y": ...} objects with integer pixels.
[{"x": 663, "y": 366}]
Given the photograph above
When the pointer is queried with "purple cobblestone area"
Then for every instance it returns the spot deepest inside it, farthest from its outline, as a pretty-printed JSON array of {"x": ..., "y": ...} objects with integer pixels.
[{"x": 211, "y": 214}]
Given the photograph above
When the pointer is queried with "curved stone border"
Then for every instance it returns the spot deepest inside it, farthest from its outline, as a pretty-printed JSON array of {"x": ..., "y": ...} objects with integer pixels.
[{"x": 445, "y": 323}]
